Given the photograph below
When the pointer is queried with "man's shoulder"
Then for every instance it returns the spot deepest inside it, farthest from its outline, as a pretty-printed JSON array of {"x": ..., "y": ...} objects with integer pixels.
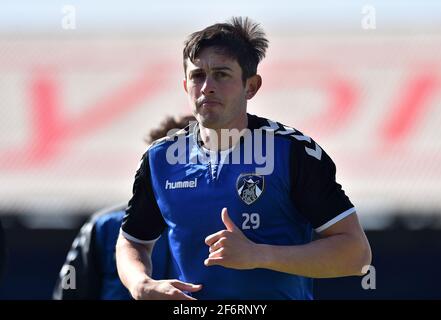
[
  {"x": 279, "y": 129},
  {"x": 112, "y": 213},
  {"x": 289, "y": 135},
  {"x": 105, "y": 218}
]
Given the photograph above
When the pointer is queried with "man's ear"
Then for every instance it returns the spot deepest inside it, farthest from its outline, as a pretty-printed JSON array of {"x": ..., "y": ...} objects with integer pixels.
[
  {"x": 184, "y": 82},
  {"x": 253, "y": 85}
]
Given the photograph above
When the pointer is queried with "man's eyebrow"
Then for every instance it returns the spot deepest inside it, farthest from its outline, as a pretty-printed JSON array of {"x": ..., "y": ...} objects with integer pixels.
[{"x": 222, "y": 68}]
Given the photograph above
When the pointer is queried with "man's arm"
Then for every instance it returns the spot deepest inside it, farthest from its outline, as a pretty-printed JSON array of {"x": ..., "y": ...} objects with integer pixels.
[
  {"x": 135, "y": 268},
  {"x": 134, "y": 264},
  {"x": 343, "y": 250}
]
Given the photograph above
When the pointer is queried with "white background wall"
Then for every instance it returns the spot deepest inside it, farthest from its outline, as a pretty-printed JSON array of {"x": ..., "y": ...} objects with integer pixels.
[{"x": 75, "y": 104}]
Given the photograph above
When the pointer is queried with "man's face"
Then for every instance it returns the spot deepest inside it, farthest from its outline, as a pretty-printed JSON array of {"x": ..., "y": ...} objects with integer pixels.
[{"x": 215, "y": 89}]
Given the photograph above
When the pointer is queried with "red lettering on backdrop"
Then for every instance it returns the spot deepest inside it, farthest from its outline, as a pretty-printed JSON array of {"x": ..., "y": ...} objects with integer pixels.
[
  {"x": 341, "y": 93},
  {"x": 339, "y": 109},
  {"x": 52, "y": 131},
  {"x": 409, "y": 109},
  {"x": 406, "y": 113}
]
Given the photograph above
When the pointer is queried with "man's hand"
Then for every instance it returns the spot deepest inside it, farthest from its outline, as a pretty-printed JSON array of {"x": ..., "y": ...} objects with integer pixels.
[
  {"x": 230, "y": 248},
  {"x": 163, "y": 290}
]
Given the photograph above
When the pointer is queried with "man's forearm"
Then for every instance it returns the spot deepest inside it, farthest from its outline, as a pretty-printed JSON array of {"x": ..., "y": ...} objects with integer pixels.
[
  {"x": 133, "y": 262},
  {"x": 336, "y": 256}
]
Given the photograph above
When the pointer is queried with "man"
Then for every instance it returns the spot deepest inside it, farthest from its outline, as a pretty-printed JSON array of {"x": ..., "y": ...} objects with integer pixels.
[
  {"x": 238, "y": 229},
  {"x": 92, "y": 254}
]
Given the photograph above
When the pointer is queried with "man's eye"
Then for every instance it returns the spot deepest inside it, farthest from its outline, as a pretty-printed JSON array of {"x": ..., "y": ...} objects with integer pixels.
[
  {"x": 221, "y": 75},
  {"x": 197, "y": 76}
]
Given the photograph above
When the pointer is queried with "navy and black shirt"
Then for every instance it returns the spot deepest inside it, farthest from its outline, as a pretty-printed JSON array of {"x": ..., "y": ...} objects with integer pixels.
[{"x": 185, "y": 190}]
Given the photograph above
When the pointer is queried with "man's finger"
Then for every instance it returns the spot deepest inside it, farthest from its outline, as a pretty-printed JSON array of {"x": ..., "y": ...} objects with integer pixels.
[
  {"x": 183, "y": 296},
  {"x": 214, "y": 261},
  {"x": 186, "y": 286},
  {"x": 216, "y": 253},
  {"x": 227, "y": 220},
  {"x": 212, "y": 238},
  {"x": 217, "y": 244}
]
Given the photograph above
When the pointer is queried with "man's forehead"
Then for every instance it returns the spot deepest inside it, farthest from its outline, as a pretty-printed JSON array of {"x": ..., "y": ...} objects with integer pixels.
[{"x": 209, "y": 59}]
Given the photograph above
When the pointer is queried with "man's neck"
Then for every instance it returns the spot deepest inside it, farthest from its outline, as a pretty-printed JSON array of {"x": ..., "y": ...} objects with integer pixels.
[{"x": 224, "y": 138}]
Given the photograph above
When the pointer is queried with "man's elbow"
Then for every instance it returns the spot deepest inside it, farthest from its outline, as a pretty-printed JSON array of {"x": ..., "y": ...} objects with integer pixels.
[{"x": 362, "y": 258}]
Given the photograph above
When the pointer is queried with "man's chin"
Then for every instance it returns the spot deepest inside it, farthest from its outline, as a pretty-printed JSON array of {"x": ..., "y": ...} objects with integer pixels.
[
  {"x": 210, "y": 124},
  {"x": 210, "y": 121}
]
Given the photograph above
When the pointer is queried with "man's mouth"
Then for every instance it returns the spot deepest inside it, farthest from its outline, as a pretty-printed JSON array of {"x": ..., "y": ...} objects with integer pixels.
[{"x": 209, "y": 103}]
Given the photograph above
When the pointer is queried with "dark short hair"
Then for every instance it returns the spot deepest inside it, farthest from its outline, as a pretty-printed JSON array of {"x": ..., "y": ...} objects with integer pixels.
[
  {"x": 169, "y": 123},
  {"x": 240, "y": 39}
]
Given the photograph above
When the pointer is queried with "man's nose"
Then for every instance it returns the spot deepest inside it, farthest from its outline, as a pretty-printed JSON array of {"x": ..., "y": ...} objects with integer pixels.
[{"x": 209, "y": 86}]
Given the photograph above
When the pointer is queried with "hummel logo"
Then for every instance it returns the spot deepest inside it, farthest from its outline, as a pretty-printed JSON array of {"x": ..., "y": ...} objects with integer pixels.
[{"x": 181, "y": 184}]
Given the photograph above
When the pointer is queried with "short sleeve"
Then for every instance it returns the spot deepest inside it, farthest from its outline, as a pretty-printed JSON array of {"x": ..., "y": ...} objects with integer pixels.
[
  {"x": 143, "y": 221},
  {"x": 315, "y": 191}
]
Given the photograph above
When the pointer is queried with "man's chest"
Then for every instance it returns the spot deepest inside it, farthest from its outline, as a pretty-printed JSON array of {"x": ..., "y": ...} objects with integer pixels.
[{"x": 191, "y": 197}]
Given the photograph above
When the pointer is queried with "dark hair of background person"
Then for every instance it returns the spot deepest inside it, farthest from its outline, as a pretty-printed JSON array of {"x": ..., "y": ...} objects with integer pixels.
[{"x": 169, "y": 123}]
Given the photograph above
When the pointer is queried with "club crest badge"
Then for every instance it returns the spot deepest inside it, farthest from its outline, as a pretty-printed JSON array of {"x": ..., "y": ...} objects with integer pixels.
[{"x": 249, "y": 187}]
